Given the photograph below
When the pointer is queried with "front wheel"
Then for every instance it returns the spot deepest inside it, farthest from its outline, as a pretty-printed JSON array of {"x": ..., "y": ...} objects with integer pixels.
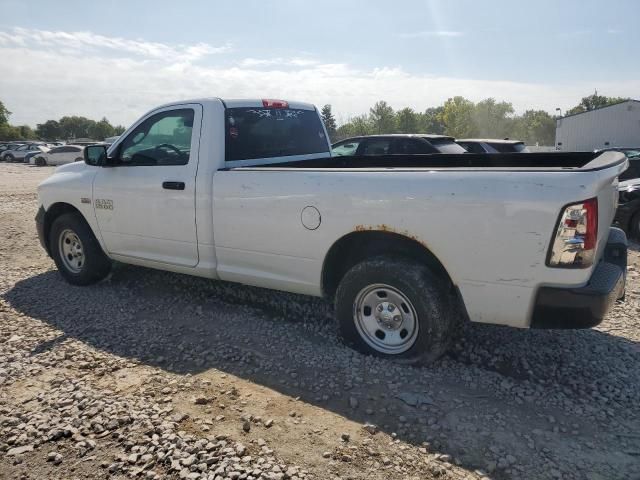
[
  {"x": 40, "y": 162},
  {"x": 395, "y": 308},
  {"x": 76, "y": 251}
]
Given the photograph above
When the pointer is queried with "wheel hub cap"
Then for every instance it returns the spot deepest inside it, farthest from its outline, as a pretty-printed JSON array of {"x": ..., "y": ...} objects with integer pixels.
[
  {"x": 385, "y": 319},
  {"x": 71, "y": 251},
  {"x": 388, "y": 316}
]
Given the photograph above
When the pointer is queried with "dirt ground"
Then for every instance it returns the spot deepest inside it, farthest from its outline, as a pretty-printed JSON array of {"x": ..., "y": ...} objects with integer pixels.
[{"x": 157, "y": 375}]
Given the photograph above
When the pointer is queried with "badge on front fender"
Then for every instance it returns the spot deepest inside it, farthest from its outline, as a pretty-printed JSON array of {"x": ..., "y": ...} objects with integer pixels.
[{"x": 104, "y": 203}]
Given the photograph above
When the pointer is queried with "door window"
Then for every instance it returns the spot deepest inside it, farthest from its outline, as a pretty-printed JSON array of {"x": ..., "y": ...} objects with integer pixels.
[
  {"x": 410, "y": 146},
  {"x": 162, "y": 139},
  {"x": 377, "y": 146}
]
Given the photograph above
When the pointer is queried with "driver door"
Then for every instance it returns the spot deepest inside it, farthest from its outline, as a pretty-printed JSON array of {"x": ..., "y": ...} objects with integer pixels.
[{"x": 145, "y": 200}]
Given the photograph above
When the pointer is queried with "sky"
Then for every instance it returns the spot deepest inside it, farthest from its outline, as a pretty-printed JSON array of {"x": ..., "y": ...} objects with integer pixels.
[{"x": 118, "y": 59}]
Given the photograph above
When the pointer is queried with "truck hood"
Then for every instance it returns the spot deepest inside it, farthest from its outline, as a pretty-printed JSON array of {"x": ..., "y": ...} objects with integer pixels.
[{"x": 72, "y": 167}]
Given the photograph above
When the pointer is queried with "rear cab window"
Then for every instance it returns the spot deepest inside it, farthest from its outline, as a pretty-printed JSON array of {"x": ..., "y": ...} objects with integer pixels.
[{"x": 263, "y": 133}]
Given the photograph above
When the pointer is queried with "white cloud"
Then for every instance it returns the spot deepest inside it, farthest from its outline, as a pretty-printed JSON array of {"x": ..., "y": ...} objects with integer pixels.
[
  {"x": 87, "y": 42},
  {"x": 279, "y": 61},
  {"x": 70, "y": 74},
  {"x": 432, "y": 33}
]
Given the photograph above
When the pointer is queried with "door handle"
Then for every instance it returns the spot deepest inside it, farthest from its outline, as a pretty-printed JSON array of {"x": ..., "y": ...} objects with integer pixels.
[{"x": 173, "y": 185}]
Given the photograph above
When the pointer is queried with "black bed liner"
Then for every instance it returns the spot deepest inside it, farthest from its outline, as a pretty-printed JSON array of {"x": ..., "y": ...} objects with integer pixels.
[{"x": 569, "y": 161}]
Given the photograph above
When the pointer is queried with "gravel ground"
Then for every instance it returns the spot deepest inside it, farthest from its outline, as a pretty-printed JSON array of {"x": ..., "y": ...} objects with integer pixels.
[{"x": 156, "y": 375}]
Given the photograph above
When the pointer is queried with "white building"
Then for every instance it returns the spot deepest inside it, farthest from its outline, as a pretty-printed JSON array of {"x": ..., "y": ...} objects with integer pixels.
[{"x": 616, "y": 125}]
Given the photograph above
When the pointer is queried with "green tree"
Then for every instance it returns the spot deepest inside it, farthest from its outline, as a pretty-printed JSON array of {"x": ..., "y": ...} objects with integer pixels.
[
  {"x": 457, "y": 117},
  {"x": 535, "y": 126},
  {"x": 493, "y": 119},
  {"x": 49, "y": 130},
  {"x": 383, "y": 118},
  {"x": 357, "y": 126},
  {"x": 4, "y": 114},
  {"x": 329, "y": 121},
  {"x": 407, "y": 121},
  {"x": 76, "y": 127},
  {"x": 118, "y": 130},
  {"x": 431, "y": 120},
  {"x": 101, "y": 130},
  {"x": 594, "y": 101}
]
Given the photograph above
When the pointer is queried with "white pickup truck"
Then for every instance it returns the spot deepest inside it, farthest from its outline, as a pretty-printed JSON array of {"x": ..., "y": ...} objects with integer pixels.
[{"x": 405, "y": 245}]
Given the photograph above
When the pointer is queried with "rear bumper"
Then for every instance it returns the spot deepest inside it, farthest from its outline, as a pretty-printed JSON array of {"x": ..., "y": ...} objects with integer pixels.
[{"x": 585, "y": 307}]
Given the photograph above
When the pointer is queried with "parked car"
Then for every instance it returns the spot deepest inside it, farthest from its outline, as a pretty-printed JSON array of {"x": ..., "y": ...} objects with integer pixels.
[
  {"x": 27, "y": 158},
  {"x": 396, "y": 144},
  {"x": 633, "y": 154},
  {"x": 628, "y": 212},
  {"x": 18, "y": 153},
  {"x": 59, "y": 156},
  {"x": 7, "y": 147},
  {"x": 247, "y": 191},
  {"x": 492, "y": 145}
]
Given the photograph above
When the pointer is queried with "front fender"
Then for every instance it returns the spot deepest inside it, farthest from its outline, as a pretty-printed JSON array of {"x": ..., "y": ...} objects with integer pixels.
[{"x": 70, "y": 188}]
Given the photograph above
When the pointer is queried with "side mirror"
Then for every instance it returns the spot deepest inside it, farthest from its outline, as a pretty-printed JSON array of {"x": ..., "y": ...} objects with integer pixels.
[{"x": 95, "y": 155}]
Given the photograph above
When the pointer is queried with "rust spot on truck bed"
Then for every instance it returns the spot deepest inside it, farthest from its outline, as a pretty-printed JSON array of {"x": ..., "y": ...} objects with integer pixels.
[{"x": 382, "y": 227}]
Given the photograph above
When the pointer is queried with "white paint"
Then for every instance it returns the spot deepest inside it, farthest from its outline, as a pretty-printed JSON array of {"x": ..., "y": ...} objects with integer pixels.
[{"x": 490, "y": 228}]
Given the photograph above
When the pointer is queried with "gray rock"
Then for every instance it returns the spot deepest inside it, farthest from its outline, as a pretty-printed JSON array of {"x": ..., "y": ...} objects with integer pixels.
[{"x": 20, "y": 450}]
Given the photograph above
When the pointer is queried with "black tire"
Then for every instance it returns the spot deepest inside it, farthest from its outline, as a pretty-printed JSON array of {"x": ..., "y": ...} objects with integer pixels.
[
  {"x": 9, "y": 158},
  {"x": 438, "y": 314},
  {"x": 95, "y": 265},
  {"x": 40, "y": 162},
  {"x": 634, "y": 226}
]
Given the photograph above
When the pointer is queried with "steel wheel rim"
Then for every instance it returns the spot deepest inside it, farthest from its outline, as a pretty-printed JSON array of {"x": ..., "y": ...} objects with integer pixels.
[
  {"x": 385, "y": 319},
  {"x": 71, "y": 251}
]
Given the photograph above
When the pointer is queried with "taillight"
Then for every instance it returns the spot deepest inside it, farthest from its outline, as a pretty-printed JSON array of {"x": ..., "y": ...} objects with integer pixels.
[
  {"x": 574, "y": 244},
  {"x": 270, "y": 103}
]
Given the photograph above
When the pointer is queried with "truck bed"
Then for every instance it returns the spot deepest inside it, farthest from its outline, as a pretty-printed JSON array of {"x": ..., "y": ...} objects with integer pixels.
[{"x": 569, "y": 161}]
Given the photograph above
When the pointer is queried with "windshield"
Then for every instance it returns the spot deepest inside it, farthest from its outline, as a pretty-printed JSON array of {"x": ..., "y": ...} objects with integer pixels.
[
  {"x": 446, "y": 145},
  {"x": 273, "y": 132},
  {"x": 345, "y": 148}
]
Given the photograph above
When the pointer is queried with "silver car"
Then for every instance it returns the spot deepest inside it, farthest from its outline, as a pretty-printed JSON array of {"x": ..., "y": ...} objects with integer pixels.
[{"x": 17, "y": 154}]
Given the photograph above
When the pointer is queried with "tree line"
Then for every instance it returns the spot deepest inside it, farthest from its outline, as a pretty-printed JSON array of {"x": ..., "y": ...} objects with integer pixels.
[
  {"x": 457, "y": 117},
  {"x": 460, "y": 118},
  {"x": 66, "y": 128}
]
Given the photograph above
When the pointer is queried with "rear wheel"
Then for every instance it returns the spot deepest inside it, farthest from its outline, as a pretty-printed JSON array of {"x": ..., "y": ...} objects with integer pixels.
[
  {"x": 9, "y": 157},
  {"x": 397, "y": 309},
  {"x": 76, "y": 251},
  {"x": 40, "y": 162}
]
